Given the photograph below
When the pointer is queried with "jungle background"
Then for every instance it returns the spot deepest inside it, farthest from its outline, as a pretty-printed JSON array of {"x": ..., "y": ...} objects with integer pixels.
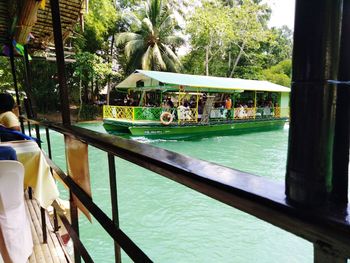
[{"x": 226, "y": 38}]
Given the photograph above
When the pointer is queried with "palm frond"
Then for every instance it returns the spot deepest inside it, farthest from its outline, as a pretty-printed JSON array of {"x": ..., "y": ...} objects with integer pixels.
[
  {"x": 171, "y": 54},
  {"x": 167, "y": 24},
  {"x": 125, "y": 37},
  {"x": 155, "y": 10},
  {"x": 157, "y": 57},
  {"x": 170, "y": 65},
  {"x": 147, "y": 26},
  {"x": 175, "y": 41},
  {"x": 132, "y": 46},
  {"x": 147, "y": 59}
]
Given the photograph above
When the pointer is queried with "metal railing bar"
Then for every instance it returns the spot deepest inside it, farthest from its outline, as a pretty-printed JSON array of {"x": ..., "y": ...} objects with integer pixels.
[
  {"x": 77, "y": 243},
  {"x": 130, "y": 248},
  {"x": 114, "y": 202},
  {"x": 48, "y": 142},
  {"x": 37, "y": 134},
  {"x": 252, "y": 194}
]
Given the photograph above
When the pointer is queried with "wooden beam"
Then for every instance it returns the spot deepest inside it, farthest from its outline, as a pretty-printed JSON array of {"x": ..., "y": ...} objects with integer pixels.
[{"x": 315, "y": 62}]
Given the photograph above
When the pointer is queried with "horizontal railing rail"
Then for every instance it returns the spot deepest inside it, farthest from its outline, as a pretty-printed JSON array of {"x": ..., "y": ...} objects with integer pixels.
[{"x": 327, "y": 226}]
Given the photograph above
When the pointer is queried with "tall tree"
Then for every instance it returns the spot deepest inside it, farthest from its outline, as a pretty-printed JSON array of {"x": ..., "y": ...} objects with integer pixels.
[
  {"x": 152, "y": 41},
  {"x": 99, "y": 25},
  {"x": 249, "y": 23},
  {"x": 210, "y": 32}
]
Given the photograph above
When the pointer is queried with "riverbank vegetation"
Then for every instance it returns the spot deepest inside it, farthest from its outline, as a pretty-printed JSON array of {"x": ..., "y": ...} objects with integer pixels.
[{"x": 228, "y": 38}]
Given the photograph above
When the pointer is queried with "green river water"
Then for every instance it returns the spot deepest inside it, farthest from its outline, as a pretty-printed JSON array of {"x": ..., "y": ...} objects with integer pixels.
[{"x": 172, "y": 223}]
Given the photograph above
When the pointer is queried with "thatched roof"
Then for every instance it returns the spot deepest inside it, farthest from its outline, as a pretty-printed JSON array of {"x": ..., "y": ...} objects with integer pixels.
[{"x": 18, "y": 18}]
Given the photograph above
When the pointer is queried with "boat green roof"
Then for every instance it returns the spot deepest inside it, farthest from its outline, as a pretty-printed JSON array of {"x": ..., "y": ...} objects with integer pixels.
[{"x": 205, "y": 83}]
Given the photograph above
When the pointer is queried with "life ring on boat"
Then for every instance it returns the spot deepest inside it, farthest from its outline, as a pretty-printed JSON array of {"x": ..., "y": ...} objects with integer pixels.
[{"x": 166, "y": 118}]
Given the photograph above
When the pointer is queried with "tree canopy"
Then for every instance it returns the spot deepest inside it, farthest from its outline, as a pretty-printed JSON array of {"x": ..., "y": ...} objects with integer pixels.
[
  {"x": 152, "y": 41},
  {"x": 228, "y": 38}
]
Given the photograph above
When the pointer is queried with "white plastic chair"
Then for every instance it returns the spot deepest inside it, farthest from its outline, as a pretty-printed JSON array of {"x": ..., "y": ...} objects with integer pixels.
[{"x": 16, "y": 244}]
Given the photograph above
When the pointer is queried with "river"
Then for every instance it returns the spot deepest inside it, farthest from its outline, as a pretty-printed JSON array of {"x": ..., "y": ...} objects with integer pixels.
[{"x": 172, "y": 223}]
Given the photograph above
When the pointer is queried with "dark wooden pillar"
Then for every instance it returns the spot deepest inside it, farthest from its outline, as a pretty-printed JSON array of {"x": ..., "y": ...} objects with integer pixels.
[
  {"x": 32, "y": 112},
  {"x": 56, "y": 25},
  {"x": 342, "y": 124},
  {"x": 315, "y": 62},
  {"x": 13, "y": 69}
]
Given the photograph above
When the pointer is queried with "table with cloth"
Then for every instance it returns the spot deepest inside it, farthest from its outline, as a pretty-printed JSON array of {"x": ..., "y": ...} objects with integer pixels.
[{"x": 37, "y": 173}]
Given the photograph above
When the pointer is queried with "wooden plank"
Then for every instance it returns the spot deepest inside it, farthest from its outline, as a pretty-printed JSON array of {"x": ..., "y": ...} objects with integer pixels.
[
  {"x": 37, "y": 253},
  {"x": 38, "y": 227},
  {"x": 54, "y": 249}
]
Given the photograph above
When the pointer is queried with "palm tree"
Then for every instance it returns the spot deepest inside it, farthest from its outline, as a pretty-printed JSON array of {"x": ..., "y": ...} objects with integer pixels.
[{"x": 152, "y": 42}]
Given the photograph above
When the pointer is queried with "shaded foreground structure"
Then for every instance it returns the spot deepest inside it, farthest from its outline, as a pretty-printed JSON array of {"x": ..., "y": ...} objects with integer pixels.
[{"x": 312, "y": 204}]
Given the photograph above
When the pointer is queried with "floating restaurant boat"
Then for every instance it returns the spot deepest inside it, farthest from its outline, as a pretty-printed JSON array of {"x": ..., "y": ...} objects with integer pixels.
[{"x": 167, "y": 105}]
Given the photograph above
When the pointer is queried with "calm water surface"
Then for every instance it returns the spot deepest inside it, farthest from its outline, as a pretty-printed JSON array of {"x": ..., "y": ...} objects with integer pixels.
[{"x": 172, "y": 223}]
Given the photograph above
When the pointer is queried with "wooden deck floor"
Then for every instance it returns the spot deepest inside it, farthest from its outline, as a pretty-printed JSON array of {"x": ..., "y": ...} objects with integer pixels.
[{"x": 53, "y": 251}]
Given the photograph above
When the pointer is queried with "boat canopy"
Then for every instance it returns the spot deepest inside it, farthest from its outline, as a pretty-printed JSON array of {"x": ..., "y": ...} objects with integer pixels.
[{"x": 172, "y": 81}]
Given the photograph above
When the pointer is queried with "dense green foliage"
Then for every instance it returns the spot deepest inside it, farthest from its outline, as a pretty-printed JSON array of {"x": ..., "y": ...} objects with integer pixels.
[
  {"x": 228, "y": 38},
  {"x": 151, "y": 41}
]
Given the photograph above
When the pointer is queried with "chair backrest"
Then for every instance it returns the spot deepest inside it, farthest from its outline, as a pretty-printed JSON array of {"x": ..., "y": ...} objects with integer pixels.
[{"x": 11, "y": 184}]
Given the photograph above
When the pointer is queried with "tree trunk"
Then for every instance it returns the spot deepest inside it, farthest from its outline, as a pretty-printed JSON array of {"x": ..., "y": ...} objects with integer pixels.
[
  {"x": 207, "y": 60},
  {"x": 80, "y": 100},
  {"x": 109, "y": 80},
  {"x": 229, "y": 61},
  {"x": 237, "y": 60}
]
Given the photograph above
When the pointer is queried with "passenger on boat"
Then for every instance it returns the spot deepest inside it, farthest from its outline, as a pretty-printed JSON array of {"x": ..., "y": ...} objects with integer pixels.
[
  {"x": 169, "y": 102},
  {"x": 228, "y": 107},
  {"x": 267, "y": 110},
  {"x": 8, "y": 118},
  {"x": 200, "y": 110}
]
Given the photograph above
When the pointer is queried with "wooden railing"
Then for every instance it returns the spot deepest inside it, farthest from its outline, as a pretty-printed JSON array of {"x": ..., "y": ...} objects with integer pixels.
[{"x": 327, "y": 227}]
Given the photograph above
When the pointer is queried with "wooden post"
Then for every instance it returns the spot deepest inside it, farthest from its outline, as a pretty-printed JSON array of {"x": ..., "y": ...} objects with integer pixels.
[
  {"x": 315, "y": 62},
  {"x": 13, "y": 69},
  {"x": 342, "y": 124},
  {"x": 57, "y": 31},
  {"x": 28, "y": 84}
]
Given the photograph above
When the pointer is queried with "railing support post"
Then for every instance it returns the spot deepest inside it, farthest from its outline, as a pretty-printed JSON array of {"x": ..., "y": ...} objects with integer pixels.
[
  {"x": 342, "y": 124},
  {"x": 75, "y": 225},
  {"x": 28, "y": 84},
  {"x": 57, "y": 31},
  {"x": 315, "y": 63},
  {"x": 13, "y": 69},
  {"x": 114, "y": 202}
]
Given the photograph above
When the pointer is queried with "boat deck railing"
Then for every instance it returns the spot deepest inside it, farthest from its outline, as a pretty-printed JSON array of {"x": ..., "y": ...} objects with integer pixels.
[
  {"x": 327, "y": 227},
  {"x": 192, "y": 115}
]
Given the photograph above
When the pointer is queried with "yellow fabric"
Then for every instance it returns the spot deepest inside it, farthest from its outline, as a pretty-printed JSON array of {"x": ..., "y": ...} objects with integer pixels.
[
  {"x": 42, "y": 4},
  {"x": 9, "y": 119},
  {"x": 37, "y": 174},
  {"x": 78, "y": 168}
]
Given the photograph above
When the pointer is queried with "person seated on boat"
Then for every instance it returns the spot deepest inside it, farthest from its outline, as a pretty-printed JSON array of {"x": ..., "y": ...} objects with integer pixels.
[
  {"x": 127, "y": 100},
  {"x": 169, "y": 102},
  {"x": 8, "y": 118},
  {"x": 228, "y": 106},
  {"x": 241, "y": 112},
  {"x": 192, "y": 102},
  {"x": 200, "y": 110},
  {"x": 183, "y": 113},
  {"x": 267, "y": 110}
]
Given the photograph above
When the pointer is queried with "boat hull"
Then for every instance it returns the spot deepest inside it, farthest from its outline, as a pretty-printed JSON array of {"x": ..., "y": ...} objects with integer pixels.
[{"x": 194, "y": 130}]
